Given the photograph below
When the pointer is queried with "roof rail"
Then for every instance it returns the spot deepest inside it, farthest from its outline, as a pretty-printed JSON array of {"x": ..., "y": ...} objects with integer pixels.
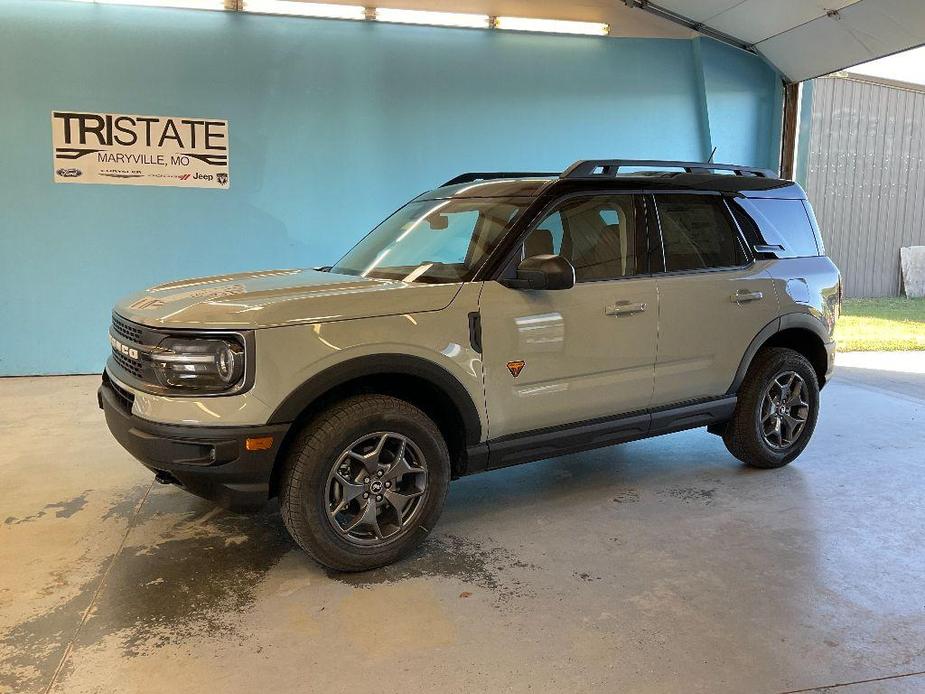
[
  {"x": 609, "y": 167},
  {"x": 490, "y": 175}
]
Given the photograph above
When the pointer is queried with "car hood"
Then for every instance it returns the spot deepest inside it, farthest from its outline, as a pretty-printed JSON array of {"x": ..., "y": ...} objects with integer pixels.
[{"x": 279, "y": 297}]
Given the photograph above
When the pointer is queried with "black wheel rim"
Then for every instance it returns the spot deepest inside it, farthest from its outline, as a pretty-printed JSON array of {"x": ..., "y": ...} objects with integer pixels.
[
  {"x": 784, "y": 410},
  {"x": 376, "y": 488}
]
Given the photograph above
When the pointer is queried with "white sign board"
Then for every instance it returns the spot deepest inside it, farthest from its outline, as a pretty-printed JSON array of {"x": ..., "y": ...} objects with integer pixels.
[
  {"x": 139, "y": 150},
  {"x": 912, "y": 262}
]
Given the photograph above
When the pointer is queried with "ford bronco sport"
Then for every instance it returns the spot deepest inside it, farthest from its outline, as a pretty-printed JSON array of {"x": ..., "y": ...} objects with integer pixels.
[{"x": 498, "y": 319}]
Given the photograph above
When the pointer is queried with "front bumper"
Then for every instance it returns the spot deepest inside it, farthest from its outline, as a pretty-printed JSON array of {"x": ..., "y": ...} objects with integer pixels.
[
  {"x": 211, "y": 462},
  {"x": 830, "y": 361}
]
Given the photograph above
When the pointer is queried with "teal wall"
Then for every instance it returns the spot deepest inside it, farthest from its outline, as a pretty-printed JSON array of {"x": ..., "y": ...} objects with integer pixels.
[
  {"x": 741, "y": 96},
  {"x": 332, "y": 126}
]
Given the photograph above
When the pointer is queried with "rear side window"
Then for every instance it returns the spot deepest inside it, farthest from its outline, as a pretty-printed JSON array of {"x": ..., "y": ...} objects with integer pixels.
[
  {"x": 697, "y": 233},
  {"x": 780, "y": 223}
]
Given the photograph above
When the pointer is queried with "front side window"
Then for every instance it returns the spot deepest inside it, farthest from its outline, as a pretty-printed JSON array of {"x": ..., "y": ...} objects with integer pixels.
[
  {"x": 697, "y": 233},
  {"x": 597, "y": 235},
  {"x": 435, "y": 241}
]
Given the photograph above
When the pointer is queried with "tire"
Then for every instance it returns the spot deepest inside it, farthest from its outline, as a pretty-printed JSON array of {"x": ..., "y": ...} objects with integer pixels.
[
  {"x": 320, "y": 475},
  {"x": 747, "y": 435}
]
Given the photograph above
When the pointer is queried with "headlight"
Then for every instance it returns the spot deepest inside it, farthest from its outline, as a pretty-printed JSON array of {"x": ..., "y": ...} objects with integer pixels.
[{"x": 198, "y": 363}]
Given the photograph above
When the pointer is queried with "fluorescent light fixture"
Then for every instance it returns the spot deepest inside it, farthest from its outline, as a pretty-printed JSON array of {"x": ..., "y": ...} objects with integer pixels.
[
  {"x": 181, "y": 4},
  {"x": 443, "y": 19},
  {"x": 552, "y": 26},
  {"x": 305, "y": 9},
  {"x": 381, "y": 14}
]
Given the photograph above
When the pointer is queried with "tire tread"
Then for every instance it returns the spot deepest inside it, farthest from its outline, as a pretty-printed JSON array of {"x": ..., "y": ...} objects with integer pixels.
[
  {"x": 741, "y": 436},
  {"x": 307, "y": 450}
]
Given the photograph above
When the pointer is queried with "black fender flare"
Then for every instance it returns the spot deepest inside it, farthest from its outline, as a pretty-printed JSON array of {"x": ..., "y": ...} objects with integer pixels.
[
  {"x": 378, "y": 365},
  {"x": 805, "y": 321}
]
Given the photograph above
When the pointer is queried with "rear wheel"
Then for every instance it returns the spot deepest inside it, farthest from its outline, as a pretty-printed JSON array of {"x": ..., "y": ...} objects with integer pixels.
[
  {"x": 776, "y": 411},
  {"x": 364, "y": 482}
]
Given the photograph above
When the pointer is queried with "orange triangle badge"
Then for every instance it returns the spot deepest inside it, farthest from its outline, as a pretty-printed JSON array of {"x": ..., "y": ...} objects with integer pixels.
[{"x": 515, "y": 367}]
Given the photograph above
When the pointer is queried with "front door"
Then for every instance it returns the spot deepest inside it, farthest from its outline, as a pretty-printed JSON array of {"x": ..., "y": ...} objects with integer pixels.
[
  {"x": 561, "y": 357},
  {"x": 713, "y": 300}
]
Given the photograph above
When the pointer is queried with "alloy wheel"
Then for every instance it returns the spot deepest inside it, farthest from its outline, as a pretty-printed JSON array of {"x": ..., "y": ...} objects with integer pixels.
[
  {"x": 784, "y": 410},
  {"x": 376, "y": 488}
]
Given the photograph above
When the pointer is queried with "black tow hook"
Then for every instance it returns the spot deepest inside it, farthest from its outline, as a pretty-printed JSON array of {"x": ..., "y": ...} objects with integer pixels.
[{"x": 164, "y": 478}]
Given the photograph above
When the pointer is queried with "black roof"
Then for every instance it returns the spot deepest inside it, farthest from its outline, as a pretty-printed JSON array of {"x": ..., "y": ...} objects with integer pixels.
[{"x": 605, "y": 175}]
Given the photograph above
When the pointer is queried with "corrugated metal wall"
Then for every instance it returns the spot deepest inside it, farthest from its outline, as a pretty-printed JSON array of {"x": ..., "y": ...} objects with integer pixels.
[{"x": 865, "y": 177}]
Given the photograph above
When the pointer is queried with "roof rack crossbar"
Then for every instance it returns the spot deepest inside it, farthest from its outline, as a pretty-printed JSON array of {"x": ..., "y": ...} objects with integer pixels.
[
  {"x": 472, "y": 176},
  {"x": 609, "y": 167}
]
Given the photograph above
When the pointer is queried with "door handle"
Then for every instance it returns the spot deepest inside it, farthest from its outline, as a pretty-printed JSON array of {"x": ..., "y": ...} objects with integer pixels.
[
  {"x": 624, "y": 308},
  {"x": 743, "y": 296}
]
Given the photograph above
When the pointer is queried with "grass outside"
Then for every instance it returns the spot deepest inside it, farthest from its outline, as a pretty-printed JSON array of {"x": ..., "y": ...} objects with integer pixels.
[{"x": 888, "y": 325}]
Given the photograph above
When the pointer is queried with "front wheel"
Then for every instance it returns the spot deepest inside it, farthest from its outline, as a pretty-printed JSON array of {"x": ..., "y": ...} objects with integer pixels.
[
  {"x": 364, "y": 482},
  {"x": 776, "y": 411}
]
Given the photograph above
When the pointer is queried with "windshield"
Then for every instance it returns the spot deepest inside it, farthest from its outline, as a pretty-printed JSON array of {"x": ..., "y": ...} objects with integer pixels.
[{"x": 434, "y": 241}]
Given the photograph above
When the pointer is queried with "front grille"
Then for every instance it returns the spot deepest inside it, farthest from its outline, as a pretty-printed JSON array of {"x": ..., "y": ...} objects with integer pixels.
[
  {"x": 137, "y": 340},
  {"x": 126, "y": 399},
  {"x": 133, "y": 367},
  {"x": 129, "y": 332}
]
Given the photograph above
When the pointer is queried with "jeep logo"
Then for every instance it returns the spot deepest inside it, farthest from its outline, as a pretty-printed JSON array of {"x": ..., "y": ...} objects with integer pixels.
[{"x": 129, "y": 352}]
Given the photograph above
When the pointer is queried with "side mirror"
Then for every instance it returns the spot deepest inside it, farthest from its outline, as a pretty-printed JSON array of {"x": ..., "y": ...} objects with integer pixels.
[{"x": 543, "y": 272}]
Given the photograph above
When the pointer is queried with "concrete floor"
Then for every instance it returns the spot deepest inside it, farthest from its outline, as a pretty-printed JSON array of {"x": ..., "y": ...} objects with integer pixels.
[{"x": 657, "y": 566}]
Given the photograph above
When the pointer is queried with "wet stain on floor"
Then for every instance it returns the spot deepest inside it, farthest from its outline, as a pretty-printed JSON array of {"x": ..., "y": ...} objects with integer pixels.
[
  {"x": 691, "y": 495},
  {"x": 585, "y": 576},
  {"x": 626, "y": 496},
  {"x": 62, "y": 509},
  {"x": 189, "y": 570},
  {"x": 127, "y": 504},
  {"x": 30, "y": 651},
  {"x": 197, "y": 580},
  {"x": 449, "y": 556},
  {"x": 31, "y": 648}
]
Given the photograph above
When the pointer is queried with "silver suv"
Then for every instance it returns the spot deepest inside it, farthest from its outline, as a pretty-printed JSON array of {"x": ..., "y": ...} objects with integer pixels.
[{"x": 498, "y": 319}]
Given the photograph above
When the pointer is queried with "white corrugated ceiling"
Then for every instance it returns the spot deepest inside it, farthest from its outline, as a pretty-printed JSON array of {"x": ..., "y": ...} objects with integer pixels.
[
  {"x": 808, "y": 38},
  {"x": 801, "y": 38}
]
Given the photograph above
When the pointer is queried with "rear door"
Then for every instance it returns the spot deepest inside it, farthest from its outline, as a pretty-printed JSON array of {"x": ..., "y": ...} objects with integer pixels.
[
  {"x": 713, "y": 298},
  {"x": 561, "y": 357}
]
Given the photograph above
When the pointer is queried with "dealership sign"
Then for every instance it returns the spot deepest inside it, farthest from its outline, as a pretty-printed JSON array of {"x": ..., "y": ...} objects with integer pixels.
[{"x": 139, "y": 150}]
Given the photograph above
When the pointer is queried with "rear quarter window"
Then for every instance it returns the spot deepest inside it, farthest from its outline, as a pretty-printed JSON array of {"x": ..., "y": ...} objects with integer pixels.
[{"x": 780, "y": 223}]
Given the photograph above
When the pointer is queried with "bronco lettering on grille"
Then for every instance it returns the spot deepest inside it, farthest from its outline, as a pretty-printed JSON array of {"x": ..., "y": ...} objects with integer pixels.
[{"x": 129, "y": 352}]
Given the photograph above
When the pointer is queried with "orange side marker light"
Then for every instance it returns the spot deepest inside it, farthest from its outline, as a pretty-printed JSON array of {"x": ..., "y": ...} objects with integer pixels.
[{"x": 259, "y": 443}]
